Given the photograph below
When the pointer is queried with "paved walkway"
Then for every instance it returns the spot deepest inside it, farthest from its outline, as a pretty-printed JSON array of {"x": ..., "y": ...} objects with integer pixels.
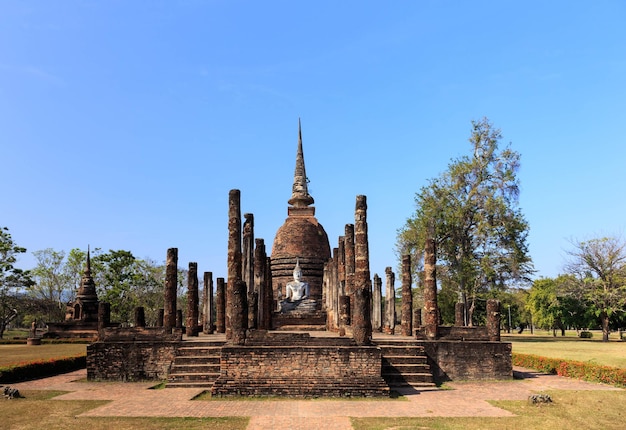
[{"x": 459, "y": 399}]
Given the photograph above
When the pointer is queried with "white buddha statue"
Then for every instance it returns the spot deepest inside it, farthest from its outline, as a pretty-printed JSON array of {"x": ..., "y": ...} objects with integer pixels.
[
  {"x": 297, "y": 295},
  {"x": 297, "y": 289}
]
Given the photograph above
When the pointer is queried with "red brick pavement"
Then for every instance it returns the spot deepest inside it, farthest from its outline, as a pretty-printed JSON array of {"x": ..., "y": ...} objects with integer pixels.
[{"x": 459, "y": 399}]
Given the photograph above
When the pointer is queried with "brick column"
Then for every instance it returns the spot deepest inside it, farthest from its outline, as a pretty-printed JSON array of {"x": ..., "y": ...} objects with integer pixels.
[
  {"x": 390, "y": 302},
  {"x": 171, "y": 281},
  {"x": 361, "y": 316},
  {"x": 493, "y": 320},
  {"x": 459, "y": 314},
  {"x": 192, "y": 300},
  {"x": 140, "y": 317},
  {"x": 236, "y": 291},
  {"x": 430, "y": 290},
  {"x": 407, "y": 297},
  {"x": 377, "y": 304},
  {"x": 220, "y": 304},
  {"x": 160, "y": 317},
  {"x": 207, "y": 304},
  {"x": 264, "y": 305}
]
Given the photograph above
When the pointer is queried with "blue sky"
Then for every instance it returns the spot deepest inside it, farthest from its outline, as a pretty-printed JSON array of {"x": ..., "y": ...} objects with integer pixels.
[{"x": 124, "y": 124}]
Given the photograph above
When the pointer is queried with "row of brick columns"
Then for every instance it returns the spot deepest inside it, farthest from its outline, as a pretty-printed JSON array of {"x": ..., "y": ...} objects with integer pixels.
[{"x": 351, "y": 304}]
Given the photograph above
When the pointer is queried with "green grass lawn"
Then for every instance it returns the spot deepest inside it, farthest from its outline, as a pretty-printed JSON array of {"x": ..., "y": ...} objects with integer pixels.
[
  {"x": 13, "y": 354},
  {"x": 62, "y": 414},
  {"x": 570, "y": 347},
  {"x": 587, "y": 410}
]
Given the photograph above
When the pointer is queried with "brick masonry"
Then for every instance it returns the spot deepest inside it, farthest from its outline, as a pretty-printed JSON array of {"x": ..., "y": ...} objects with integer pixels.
[
  {"x": 457, "y": 360},
  {"x": 130, "y": 361}
]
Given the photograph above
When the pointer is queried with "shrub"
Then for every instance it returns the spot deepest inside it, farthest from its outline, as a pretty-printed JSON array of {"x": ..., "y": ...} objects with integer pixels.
[
  {"x": 586, "y": 334},
  {"x": 573, "y": 369},
  {"x": 41, "y": 368}
]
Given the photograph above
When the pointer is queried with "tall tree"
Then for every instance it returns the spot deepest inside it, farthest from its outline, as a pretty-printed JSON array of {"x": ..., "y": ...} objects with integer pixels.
[
  {"x": 479, "y": 230},
  {"x": 598, "y": 267},
  {"x": 544, "y": 302},
  {"x": 150, "y": 287},
  {"x": 114, "y": 274},
  {"x": 12, "y": 279},
  {"x": 52, "y": 284}
]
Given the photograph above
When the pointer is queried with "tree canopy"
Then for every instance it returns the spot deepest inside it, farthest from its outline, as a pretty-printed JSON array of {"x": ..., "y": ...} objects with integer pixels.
[
  {"x": 12, "y": 279},
  {"x": 598, "y": 278},
  {"x": 472, "y": 212}
]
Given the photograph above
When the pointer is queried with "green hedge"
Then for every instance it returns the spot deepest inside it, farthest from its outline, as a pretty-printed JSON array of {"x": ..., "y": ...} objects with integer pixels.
[
  {"x": 573, "y": 369},
  {"x": 41, "y": 368}
]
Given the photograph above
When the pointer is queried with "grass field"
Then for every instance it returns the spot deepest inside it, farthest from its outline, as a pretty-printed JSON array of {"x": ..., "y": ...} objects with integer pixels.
[
  {"x": 589, "y": 410},
  {"x": 13, "y": 354},
  {"x": 572, "y": 348},
  {"x": 62, "y": 414}
]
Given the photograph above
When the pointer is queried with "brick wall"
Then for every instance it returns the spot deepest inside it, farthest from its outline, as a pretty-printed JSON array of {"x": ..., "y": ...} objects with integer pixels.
[
  {"x": 301, "y": 371},
  {"x": 130, "y": 361},
  {"x": 299, "y": 362},
  {"x": 453, "y": 360}
]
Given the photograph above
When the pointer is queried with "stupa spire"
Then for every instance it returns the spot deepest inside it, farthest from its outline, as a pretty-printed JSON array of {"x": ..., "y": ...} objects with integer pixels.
[
  {"x": 300, "y": 197},
  {"x": 88, "y": 268},
  {"x": 87, "y": 286}
]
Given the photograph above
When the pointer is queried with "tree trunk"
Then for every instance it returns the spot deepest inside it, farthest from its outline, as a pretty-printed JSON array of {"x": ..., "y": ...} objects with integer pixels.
[
  {"x": 604, "y": 318},
  {"x": 470, "y": 312}
]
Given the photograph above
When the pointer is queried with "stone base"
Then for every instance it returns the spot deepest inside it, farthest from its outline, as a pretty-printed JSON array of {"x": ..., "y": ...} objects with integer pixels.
[
  {"x": 33, "y": 341},
  {"x": 295, "y": 365},
  {"x": 72, "y": 330},
  {"x": 294, "y": 319}
]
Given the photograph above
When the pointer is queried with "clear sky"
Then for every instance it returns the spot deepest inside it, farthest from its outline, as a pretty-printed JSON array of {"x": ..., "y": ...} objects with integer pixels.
[{"x": 124, "y": 124}]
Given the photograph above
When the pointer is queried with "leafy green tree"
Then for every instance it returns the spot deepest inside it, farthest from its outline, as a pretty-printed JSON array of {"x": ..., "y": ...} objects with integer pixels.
[
  {"x": 114, "y": 275},
  {"x": 12, "y": 279},
  {"x": 52, "y": 284},
  {"x": 150, "y": 287},
  {"x": 127, "y": 282},
  {"x": 598, "y": 269},
  {"x": 544, "y": 304},
  {"x": 554, "y": 307},
  {"x": 472, "y": 212}
]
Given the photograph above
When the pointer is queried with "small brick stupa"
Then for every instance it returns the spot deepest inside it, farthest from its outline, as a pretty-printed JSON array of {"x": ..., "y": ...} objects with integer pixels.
[
  {"x": 301, "y": 239},
  {"x": 81, "y": 320}
]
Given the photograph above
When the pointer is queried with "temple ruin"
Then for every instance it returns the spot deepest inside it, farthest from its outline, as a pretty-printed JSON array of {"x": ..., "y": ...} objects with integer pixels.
[
  {"x": 81, "y": 317},
  {"x": 302, "y": 322}
]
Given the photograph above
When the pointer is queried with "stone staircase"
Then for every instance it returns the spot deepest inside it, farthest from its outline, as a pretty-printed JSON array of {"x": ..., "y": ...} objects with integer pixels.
[
  {"x": 197, "y": 365},
  {"x": 405, "y": 364},
  {"x": 303, "y": 388}
]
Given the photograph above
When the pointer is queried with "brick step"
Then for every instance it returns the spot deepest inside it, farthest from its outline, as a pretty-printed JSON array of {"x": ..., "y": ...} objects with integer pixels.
[
  {"x": 194, "y": 342},
  {"x": 189, "y": 384},
  {"x": 302, "y": 327},
  {"x": 406, "y": 367},
  {"x": 402, "y": 384},
  {"x": 197, "y": 359},
  {"x": 394, "y": 378},
  {"x": 190, "y": 376},
  {"x": 308, "y": 388},
  {"x": 401, "y": 350},
  {"x": 387, "y": 371},
  {"x": 404, "y": 359},
  {"x": 185, "y": 351},
  {"x": 180, "y": 369}
]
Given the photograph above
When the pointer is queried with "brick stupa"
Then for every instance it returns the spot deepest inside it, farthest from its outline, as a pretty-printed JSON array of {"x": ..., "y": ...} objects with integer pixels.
[{"x": 300, "y": 239}]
